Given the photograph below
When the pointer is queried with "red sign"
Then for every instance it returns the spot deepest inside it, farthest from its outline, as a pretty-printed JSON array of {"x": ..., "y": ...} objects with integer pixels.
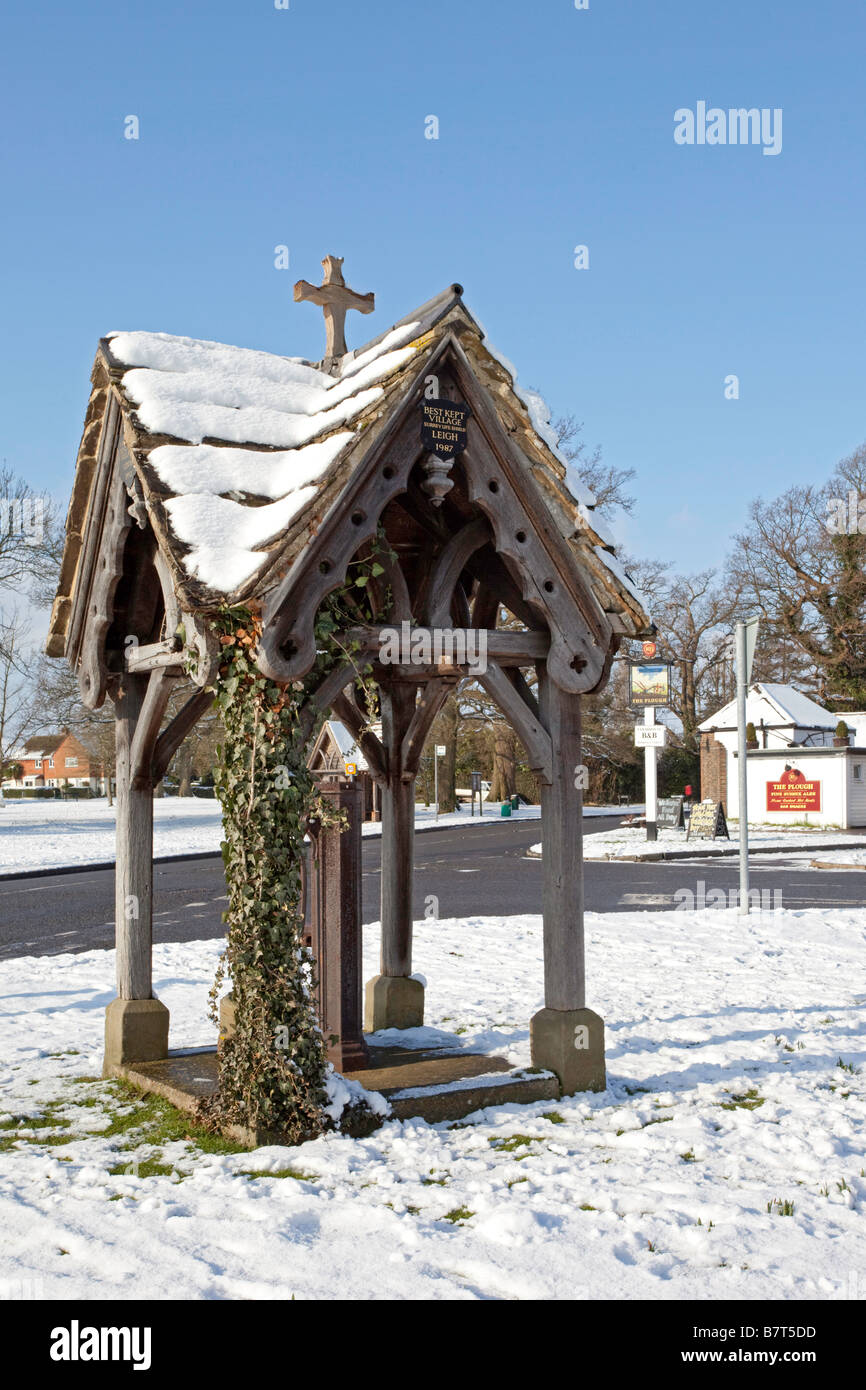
[
  {"x": 793, "y": 793},
  {"x": 649, "y": 650}
]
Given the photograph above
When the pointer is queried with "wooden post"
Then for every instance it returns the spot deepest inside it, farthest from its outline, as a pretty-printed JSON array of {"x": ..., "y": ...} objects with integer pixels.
[
  {"x": 393, "y": 1000},
  {"x": 336, "y": 928},
  {"x": 562, "y": 864},
  {"x": 566, "y": 1037},
  {"x": 133, "y": 879},
  {"x": 136, "y": 1024}
]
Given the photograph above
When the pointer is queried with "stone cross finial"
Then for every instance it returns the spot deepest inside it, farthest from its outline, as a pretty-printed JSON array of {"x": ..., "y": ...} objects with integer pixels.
[{"x": 335, "y": 298}]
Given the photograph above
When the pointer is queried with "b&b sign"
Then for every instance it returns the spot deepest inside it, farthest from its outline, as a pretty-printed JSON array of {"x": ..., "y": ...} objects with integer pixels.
[{"x": 650, "y": 735}]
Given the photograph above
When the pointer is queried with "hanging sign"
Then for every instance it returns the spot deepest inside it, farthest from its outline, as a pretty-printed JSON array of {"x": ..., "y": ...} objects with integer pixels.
[
  {"x": 443, "y": 427},
  {"x": 707, "y": 822},
  {"x": 649, "y": 684}
]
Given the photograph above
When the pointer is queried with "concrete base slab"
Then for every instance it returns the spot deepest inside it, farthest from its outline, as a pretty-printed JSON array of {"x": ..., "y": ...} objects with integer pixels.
[
  {"x": 136, "y": 1030},
  {"x": 393, "y": 1001},
  {"x": 430, "y": 1085},
  {"x": 571, "y": 1044}
]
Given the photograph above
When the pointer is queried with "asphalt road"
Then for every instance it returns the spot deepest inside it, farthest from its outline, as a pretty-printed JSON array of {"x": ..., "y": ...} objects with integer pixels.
[{"x": 483, "y": 871}]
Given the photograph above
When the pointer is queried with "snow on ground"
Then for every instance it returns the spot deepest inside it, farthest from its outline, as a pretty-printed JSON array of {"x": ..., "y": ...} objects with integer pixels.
[
  {"x": 727, "y": 1099},
  {"x": 630, "y": 841},
  {"x": 843, "y": 858},
  {"x": 60, "y": 834}
]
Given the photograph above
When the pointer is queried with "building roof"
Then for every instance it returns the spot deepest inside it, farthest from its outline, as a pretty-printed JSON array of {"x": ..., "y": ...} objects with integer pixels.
[
  {"x": 346, "y": 744},
  {"x": 790, "y": 706},
  {"x": 43, "y": 743},
  {"x": 238, "y": 455}
]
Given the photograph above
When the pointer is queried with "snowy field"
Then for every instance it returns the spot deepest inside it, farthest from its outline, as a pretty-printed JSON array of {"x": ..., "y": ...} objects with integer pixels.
[
  {"x": 725, "y": 1160},
  {"x": 630, "y": 841},
  {"x": 61, "y": 834}
]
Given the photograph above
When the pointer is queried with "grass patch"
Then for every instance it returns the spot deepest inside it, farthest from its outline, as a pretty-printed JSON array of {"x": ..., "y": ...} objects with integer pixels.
[
  {"x": 145, "y": 1168},
  {"x": 295, "y": 1173},
  {"x": 749, "y": 1100},
  {"x": 780, "y": 1208},
  {"x": 584, "y": 1206},
  {"x": 554, "y": 1117},
  {"x": 154, "y": 1120},
  {"x": 513, "y": 1142},
  {"x": 458, "y": 1215},
  {"x": 662, "y": 1120}
]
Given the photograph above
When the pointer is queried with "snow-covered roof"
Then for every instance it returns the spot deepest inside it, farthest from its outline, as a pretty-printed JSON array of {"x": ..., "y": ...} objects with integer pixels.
[
  {"x": 788, "y": 706},
  {"x": 289, "y": 416},
  {"x": 346, "y": 744},
  {"x": 239, "y": 454}
]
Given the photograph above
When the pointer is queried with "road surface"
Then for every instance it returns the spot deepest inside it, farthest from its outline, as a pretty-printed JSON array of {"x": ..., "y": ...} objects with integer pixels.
[{"x": 483, "y": 871}]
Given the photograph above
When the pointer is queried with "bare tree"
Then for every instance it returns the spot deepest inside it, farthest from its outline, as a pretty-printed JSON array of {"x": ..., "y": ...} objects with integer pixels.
[
  {"x": 607, "y": 484},
  {"x": 807, "y": 575},
  {"x": 16, "y": 671}
]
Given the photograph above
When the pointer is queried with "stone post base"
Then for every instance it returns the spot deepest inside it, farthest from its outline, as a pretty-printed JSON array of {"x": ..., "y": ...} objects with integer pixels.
[
  {"x": 570, "y": 1043},
  {"x": 136, "y": 1030},
  {"x": 393, "y": 1001}
]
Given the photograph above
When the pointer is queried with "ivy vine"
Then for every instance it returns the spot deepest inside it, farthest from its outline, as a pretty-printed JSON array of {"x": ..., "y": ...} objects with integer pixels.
[{"x": 273, "y": 1068}]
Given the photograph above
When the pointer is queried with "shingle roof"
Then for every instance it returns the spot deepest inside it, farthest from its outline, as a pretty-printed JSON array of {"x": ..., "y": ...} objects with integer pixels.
[
  {"x": 239, "y": 453},
  {"x": 44, "y": 743}
]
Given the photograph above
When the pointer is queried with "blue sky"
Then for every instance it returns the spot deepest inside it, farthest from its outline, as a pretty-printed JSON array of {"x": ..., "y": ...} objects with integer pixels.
[{"x": 306, "y": 127}]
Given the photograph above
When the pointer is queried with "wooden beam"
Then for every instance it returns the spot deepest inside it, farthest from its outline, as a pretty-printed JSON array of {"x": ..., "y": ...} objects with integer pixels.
[
  {"x": 148, "y": 721},
  {"x": 154, "y": 656},
  {"x": 511, "y": 700},
  {"x": 430, "y": 701},
  {"x": 320, "y": 701},
  {"x": 345, "y": 707},
  {"x": 177, "y": 729},
  {"x": 449, "y": 566},
  {"x": 524, "y": 689},
  {"x": 504, "y": 646}
]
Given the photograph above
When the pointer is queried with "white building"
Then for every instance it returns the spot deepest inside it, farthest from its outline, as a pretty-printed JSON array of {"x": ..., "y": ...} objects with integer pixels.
[{"x": 796, "y": 774}]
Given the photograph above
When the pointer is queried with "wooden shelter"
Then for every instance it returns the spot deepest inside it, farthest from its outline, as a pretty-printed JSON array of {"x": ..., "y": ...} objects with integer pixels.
[{"x": 209, "y": 475}]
